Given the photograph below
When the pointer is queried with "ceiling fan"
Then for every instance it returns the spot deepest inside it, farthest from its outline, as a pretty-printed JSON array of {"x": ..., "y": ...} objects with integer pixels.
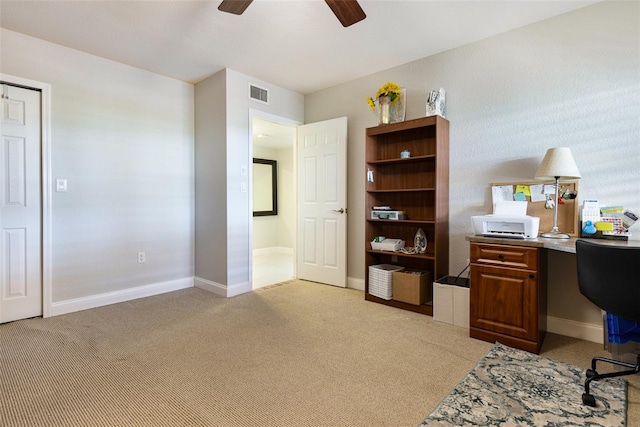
[{"x": 348, "y": 12}]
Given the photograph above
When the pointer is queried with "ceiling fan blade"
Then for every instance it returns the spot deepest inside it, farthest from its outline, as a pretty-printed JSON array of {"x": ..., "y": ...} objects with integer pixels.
[
  {"x": 237, "y": 7},
  {"x": 348, "y": 12}
]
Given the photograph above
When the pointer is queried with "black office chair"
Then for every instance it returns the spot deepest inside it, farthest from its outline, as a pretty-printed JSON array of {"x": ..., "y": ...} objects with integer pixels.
[{"x": 609, "y": 276}]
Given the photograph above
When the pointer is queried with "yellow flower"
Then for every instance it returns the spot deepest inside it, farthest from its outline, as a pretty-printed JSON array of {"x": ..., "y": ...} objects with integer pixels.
[
  {"x": 371, "y": 103},
  {"x": 389, "y": 89}
]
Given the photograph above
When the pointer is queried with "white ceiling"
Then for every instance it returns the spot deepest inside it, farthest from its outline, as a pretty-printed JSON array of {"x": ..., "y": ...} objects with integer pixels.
[
  {"x": 272, "y": 135},
  {"x": 294, "y": 44}
]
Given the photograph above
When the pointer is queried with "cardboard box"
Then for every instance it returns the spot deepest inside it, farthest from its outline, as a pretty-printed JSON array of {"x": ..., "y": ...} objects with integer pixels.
[{"x": 412, "y": 286}]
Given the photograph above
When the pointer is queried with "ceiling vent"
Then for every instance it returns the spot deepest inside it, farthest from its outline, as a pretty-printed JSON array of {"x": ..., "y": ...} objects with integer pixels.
[{"x": 258, "y": 94}]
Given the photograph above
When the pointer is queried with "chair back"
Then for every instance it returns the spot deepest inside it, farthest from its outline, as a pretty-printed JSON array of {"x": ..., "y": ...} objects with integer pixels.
[{"x": 609, "y": 276}]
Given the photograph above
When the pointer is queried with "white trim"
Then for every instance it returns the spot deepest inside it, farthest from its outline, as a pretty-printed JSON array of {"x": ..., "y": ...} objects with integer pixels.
[
  {"x": 45, "y": 129},
  {"x": 273, "y": 250},
  {"x": 353, "y": 283},
  {"x": 93, "y": 301},
  {"x": 574, "y": 329},
  {"x": 220, "y": 289},
  {"x": 210, "y": 286},
  {"x": 238, "y": 289}
]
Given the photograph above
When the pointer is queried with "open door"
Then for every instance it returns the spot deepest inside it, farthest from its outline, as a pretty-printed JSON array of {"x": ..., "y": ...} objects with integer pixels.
[{"x": 322, "y": 202}]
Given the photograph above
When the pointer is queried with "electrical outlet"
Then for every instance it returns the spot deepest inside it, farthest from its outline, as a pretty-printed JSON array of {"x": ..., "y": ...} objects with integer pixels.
[{"x": 141, "y": 257}]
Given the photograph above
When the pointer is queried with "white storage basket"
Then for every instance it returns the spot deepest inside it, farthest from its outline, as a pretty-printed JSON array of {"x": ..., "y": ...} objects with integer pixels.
[{"x": 381, "y": 280}]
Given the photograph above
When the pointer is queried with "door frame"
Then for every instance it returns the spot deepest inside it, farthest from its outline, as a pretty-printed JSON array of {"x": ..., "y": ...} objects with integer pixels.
[
  {"x": 321, "y": 212},
  {"x": 45, "y": 176},
  {"x": 258, "y": 114}
]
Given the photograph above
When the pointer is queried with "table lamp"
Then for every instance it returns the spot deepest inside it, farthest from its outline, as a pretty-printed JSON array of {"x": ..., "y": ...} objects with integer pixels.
[{"x": 557, "y": 163}]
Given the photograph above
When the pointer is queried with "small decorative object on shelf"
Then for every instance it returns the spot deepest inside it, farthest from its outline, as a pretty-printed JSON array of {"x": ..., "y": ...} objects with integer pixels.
[
  {"x": 436, "y": 103},
  {"x": 420, "y": 241},
  {"x": 405, "y": 154},
  {"x": 391, "y": 100}
]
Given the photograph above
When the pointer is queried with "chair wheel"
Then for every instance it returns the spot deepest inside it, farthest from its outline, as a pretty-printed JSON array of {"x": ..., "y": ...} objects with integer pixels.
[
  {"x": 591, "y": 373},
  {"x": 589, "y": 400}
]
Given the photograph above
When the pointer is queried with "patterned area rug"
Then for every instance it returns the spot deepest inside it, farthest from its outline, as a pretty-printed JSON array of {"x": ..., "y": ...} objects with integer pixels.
[{"x": 510, "y": 387}]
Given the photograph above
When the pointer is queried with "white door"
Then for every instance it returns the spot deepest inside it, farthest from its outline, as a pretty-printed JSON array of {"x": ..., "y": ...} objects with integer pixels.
[
  {"x": 20, "y": 204},
  {"x": 322, "y": 202}
]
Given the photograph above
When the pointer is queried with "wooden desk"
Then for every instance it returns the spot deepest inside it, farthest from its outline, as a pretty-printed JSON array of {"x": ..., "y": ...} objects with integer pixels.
[{"x": 508, "y": 288}]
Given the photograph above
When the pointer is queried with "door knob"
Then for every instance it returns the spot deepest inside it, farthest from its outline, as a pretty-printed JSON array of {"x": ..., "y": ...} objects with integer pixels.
[{"x": 340, "y": 211}]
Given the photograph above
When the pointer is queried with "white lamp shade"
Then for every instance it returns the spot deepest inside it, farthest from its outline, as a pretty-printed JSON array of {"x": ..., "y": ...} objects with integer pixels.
[{"x": 558, "y": 162}]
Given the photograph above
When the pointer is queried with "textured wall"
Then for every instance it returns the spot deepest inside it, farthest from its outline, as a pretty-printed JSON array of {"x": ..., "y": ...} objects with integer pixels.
[
  {"x": 573, "y": 81},
  {"x": 123, "y": 138}
]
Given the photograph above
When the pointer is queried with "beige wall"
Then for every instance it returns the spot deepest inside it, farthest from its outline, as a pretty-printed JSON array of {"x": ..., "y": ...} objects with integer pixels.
[
  {"x": 569, "y": 81},
  {"x": 123, "y": 139},
  {"x": 223, "y": 115},
  {"x": 210, "y": 179}
]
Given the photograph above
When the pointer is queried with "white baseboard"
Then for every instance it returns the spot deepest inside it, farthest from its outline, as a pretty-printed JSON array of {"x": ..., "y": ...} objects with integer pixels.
[
  {"x": 273, "y": 250},
  {"x": 210, "y": 286},
  {"x": 238, "y": 289},
  {"x": 220, "y": 289},
  {"x": 571, "y": 328},
  {"x": 353, "y": 283},
  {"x": 93, "y": 301}
]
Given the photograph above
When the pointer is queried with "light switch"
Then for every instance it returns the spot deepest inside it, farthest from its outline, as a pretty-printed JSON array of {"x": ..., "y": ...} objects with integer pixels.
[
  {"x": 243, "y": 169},
  {"x": 61, "y": 185},
  {"x": 243, "y": 187}
]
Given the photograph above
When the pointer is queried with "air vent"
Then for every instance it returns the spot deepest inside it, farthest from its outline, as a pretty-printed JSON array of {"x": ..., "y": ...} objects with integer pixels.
[{"x": 258, "y": 94}]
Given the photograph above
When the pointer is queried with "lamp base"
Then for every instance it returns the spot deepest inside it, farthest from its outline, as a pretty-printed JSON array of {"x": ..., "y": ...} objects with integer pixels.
[{"x": 555, "y": 234}]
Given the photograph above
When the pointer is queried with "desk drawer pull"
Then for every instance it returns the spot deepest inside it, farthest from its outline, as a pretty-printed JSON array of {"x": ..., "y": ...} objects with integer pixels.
[{"x": 531, "y": 276}]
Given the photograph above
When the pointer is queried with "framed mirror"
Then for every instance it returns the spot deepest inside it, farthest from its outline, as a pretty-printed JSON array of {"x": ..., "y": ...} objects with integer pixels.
[{"x": 265, "y": 187}]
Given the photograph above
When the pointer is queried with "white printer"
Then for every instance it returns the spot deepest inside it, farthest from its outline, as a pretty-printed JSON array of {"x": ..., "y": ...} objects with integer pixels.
[{"x": 509, "y": 220}]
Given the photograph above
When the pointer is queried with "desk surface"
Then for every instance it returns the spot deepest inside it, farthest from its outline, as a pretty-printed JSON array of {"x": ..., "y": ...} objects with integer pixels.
[{"x": 562, "y": 245}]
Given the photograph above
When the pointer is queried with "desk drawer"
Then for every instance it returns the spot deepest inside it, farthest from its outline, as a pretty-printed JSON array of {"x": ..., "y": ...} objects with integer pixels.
[{"x": 505, "y": 256}]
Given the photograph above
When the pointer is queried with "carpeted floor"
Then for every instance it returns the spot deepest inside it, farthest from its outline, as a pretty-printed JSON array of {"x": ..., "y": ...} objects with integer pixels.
[{"x": 299, "y": 354}]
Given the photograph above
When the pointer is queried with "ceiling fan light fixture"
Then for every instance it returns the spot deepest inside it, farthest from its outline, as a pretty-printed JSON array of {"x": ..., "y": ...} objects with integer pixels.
[
  {"x": 348, "y": 12},
  {"x": 237, "y": 7}
]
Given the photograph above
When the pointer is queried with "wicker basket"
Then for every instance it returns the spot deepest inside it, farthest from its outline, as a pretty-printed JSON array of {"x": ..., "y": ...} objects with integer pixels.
[{"x": 381, "y": 280}]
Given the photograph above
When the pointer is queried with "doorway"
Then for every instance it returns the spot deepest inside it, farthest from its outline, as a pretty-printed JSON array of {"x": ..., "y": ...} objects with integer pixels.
[{"x": 273, "y": 234}]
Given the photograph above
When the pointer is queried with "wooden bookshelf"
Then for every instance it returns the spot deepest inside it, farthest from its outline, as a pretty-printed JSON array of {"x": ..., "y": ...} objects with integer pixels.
[{"x": 419, "y": 186}]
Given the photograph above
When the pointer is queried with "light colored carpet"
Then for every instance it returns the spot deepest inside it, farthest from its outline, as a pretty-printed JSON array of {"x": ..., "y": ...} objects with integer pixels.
[{"x": 299, "y": 354}]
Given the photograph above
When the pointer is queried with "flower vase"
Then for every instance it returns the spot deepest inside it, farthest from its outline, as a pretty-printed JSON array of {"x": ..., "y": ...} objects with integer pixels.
[
  {"x": 384, "y": 110},
  {"x": 399, "y": 106}
]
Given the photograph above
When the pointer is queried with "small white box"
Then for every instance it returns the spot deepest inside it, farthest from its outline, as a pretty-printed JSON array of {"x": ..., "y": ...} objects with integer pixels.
[
  {"x": 386, "y": 214},
  {"x": 443, "y": 303},
  {"x": 389, "y": 245},
  {"x": 461, "y": 306},
  {"x": 450, "y": 303}
]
